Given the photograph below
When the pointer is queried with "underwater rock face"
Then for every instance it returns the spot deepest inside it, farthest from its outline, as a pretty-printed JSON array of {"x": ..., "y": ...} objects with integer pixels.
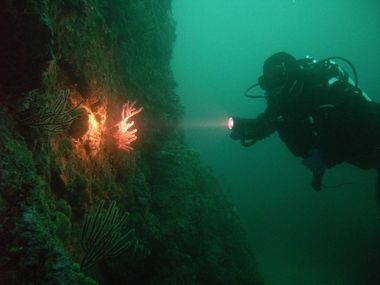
[
  {"x": 24, "y": 51},
  {"x": 80, "y": 125},
  {"x": 107, "y": 53},
  {"x": 29, "y": 250},
  {"x": 63, "y": 226}
]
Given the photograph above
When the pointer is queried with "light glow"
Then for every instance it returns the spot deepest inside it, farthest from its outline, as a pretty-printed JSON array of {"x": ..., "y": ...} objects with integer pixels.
[
  {"x": 230, "y": 123},
  {"x": 91, "y": 142}
]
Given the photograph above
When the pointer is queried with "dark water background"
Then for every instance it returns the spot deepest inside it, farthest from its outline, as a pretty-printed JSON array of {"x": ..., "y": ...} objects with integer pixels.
[{"x": 298, "y": 236}]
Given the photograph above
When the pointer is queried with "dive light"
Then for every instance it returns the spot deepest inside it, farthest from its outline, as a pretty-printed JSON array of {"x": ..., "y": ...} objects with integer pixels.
[
  {"x": 240, "y": 125},
  {"x": 230, "y": 123},
  {"x": 241, "y": 130}
]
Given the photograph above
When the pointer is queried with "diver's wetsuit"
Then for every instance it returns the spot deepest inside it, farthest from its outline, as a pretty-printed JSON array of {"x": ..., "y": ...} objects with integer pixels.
[
  {"x": 343, "y": 130},
  {"x": 323, "y": 111}
]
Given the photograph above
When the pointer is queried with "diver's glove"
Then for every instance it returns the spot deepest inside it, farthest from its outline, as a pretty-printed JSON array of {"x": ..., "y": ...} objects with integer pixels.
[
  {"x": 316, "y": 165},
  {"x": 242, "y": 129},
  {"x": 236, "y": 134}
]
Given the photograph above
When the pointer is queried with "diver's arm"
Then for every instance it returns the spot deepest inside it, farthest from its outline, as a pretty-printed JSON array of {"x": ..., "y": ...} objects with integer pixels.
[
  {"x": 261, "y": 127},
  {"x": 248, "y": 131}
]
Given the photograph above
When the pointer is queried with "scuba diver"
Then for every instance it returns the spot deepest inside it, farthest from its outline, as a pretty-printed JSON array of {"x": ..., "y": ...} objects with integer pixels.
[{"x": 319, "y": 112}]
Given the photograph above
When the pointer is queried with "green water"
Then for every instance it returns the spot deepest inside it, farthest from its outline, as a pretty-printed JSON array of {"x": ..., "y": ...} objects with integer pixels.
[{"x": 298, "y": 236}]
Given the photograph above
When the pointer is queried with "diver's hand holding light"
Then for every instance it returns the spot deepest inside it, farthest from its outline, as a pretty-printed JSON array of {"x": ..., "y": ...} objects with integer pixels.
[{"x": 240, "y": 130}]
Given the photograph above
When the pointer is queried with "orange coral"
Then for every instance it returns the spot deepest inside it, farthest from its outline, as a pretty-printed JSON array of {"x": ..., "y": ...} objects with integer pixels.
[
  {"x": 90, "y": 142},
  {"x": 124, "y": 134}
]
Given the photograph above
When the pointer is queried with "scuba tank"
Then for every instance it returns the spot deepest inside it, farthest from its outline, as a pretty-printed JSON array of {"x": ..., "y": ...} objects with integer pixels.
[{"x": 325, "y": 71}]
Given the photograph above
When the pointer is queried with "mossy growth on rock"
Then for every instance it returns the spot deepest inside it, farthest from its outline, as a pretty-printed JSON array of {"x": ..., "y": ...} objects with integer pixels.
[
  {"x": 63, "y": 226},
  {"x": 30, "y": 251}
]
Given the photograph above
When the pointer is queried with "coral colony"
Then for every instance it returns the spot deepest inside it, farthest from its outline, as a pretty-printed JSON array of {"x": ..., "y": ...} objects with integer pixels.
[
  {"x": 52, "y": 117},
  {"x": 124, "y": 134},
  {"x": 96, "y": 122}
]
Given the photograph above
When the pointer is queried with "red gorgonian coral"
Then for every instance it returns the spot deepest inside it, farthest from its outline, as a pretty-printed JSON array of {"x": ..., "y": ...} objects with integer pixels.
[{"x": 124, "y": 134}]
